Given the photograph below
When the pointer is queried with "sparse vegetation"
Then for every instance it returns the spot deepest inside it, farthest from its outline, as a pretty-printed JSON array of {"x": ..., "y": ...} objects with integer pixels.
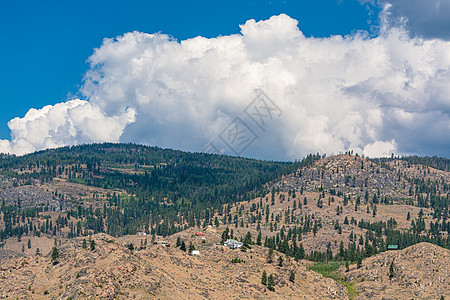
[{"x": 329, "y": 270}]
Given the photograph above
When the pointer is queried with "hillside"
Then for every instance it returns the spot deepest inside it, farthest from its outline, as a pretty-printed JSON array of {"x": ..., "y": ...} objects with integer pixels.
[
  {"x": 420, "y": 271},
  {"x": 112, "y": 271},
  {"x": 317, "y": 212},
  {"x": 388, "y": 180}
]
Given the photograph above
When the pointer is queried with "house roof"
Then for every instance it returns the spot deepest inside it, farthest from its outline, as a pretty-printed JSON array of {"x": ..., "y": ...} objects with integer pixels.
[{"x": 231, "y": 241}]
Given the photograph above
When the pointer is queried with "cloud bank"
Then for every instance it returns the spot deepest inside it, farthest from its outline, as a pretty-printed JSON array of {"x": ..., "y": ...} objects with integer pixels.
[
  {"x": 374, "y": 95},
  {"x": 427, "y": 19}
]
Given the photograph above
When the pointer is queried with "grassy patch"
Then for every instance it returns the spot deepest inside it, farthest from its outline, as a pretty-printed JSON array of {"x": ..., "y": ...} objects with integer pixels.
[{"x": 329, "y": 270}]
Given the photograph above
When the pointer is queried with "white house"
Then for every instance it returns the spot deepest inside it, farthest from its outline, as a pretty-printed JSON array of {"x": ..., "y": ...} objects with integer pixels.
[{"x": 233, "y": 244}]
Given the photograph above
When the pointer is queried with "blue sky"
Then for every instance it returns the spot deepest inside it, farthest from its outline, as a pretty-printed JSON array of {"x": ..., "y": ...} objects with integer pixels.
[
  {"x": 365, "y": 75},
  {"x": 46, "y": 43}
]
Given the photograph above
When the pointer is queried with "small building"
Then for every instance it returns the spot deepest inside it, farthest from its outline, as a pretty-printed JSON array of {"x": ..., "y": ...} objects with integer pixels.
[
  {"x": 392, "y": 247},
  {"x": 141, "y": 233},
  {"x": 162, "y": 243},
  {"x": 232, "y": 244},
  {"x": 195, "y": 252},
  {"x": 199, "y": 234}
]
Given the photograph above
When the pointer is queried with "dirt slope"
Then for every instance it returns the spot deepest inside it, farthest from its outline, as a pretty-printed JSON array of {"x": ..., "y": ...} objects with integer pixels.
[
  {"x": 112, "y": 271},
  {"x": 421, "y": 271}
]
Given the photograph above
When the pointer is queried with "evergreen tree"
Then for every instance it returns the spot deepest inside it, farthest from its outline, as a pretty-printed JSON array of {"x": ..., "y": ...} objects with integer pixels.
[
  {"x": 183, "y": 246},
  {"x": 280, "y": 261},
  {"x": 264, "y": 278},
  {"x": 292, "y": 276},
  {"x": 84, "y": 245},
  {"x": 248, "y": 238},
  {"x": 55, "y": 254},
  {"x": 191, "y": 247},
  {"x": 29, "y": 244},
  {"x": 271, "y": 283},
  {"x": 92, "y": 247},
  {"x": 270, "y": 256},
  {"x": 391, "y": 270},
  {"x": 259, "y": 238}
]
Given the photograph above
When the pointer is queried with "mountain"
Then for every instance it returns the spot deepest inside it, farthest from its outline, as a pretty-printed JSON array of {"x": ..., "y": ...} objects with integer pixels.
[{"x": 319, "y": 214}]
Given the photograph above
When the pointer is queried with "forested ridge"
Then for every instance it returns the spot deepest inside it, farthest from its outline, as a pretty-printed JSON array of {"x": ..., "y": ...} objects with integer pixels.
[{"x": 170, "y": 189}]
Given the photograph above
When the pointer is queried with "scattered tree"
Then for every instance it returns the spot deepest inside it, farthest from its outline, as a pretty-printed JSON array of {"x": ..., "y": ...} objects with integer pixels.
[
  {"x": 270, "y": 256},
  {"x": 391, "y": 270},
  {"x": 183, "y": 246},
  {"x": 292, "y": 276},
  {"x": 55, "y": 254},
  {"x": 264, "y": 278},
  {"x": 271, "y": 283},
  {"x": 280, "y": 261}
]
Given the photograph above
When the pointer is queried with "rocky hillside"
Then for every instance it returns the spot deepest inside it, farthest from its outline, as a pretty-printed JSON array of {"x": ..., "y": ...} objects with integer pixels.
[
  {"x": 354, "y": 176},
  {"x": 112, "y": 271},
  {"x": 421, "y": 271}
]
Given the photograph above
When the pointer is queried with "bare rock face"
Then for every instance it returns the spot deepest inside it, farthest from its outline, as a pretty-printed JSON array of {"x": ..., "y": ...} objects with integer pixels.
[
  {"x": 421, "y": 271},
  {"x": 112, "y": 271}
]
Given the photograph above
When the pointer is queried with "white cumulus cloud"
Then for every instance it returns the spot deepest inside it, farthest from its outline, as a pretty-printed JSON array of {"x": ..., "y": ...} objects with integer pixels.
[
  {"x": 68, "y": 123},
  {"x": 374, "y": 95}
]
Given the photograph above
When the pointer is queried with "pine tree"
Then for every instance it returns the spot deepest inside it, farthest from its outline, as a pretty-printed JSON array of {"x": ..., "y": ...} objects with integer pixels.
[
  {"x": 84, "y": 245},
  {"x": 270, "y": 256},
  {"x": 178, "y": 244},
  {"x": 29, "y": 244},
  {"x": 264, "y": 278},
  {"x": 271, "y": 283},
  {"x": 292, "y": 276},
  {"x": 391, "y": 270},
  {"x": 183, "y": 246},
  {"x": 92, "y": 245},
  {"x": 248, "y": 238},
  {"x": 55, "y": 254},
  {"x": 191, "y": 247},
  {"x": 280, "y": 261}
]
